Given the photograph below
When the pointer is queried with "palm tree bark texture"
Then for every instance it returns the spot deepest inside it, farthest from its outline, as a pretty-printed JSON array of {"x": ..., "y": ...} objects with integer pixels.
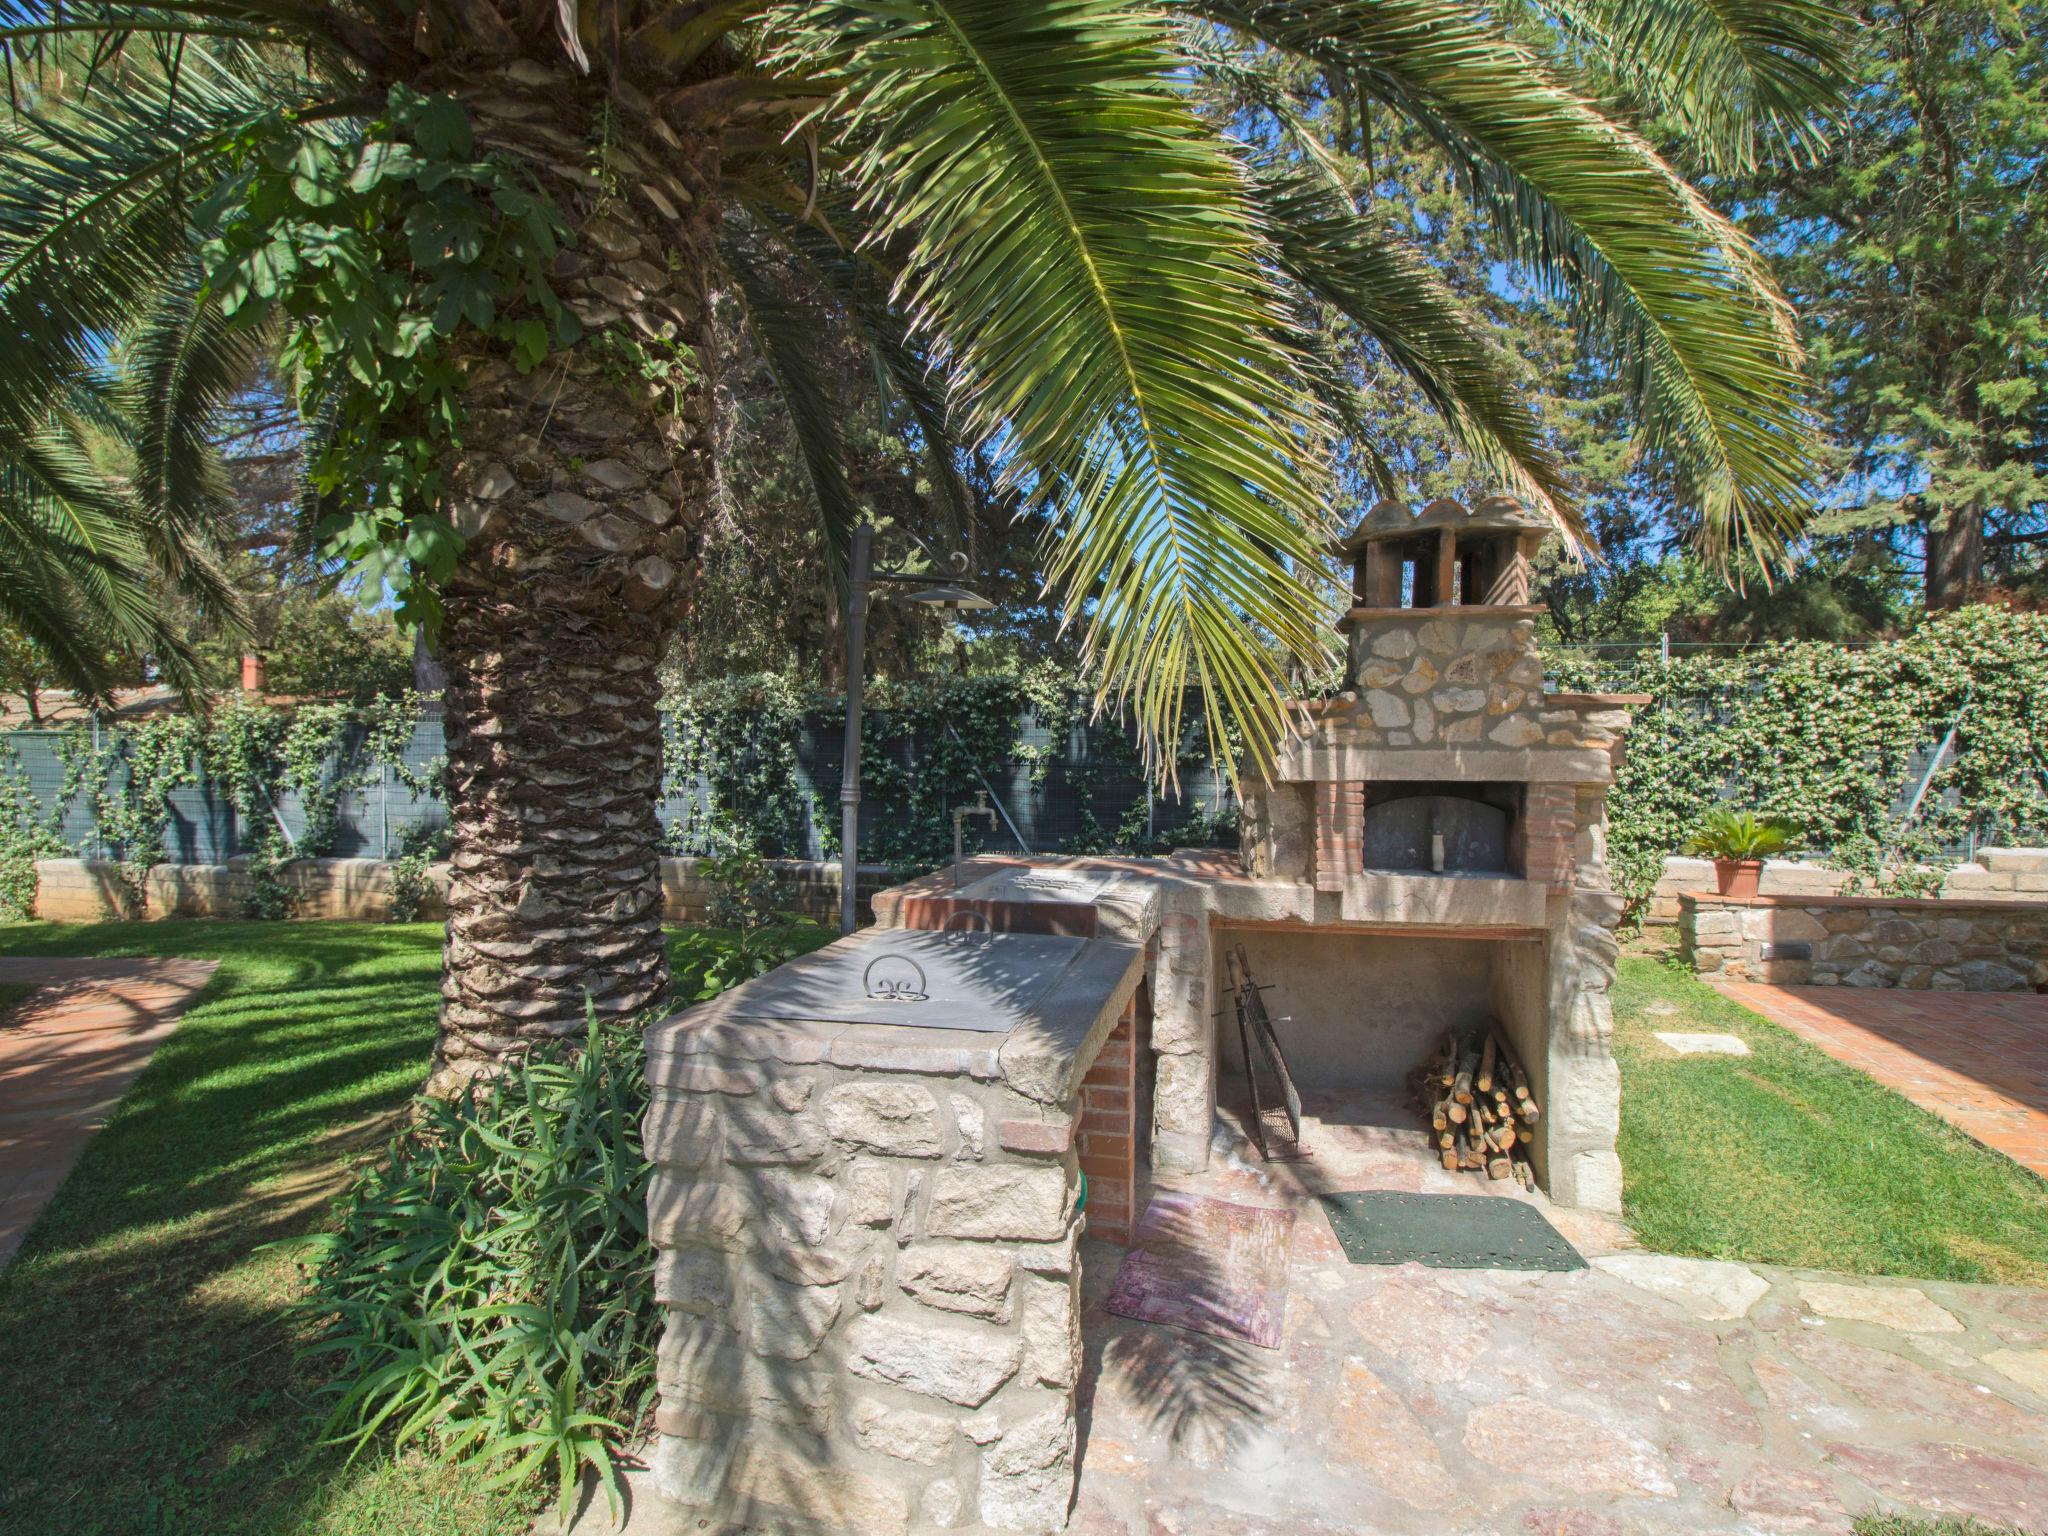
[{"x": 580, "y": 492}]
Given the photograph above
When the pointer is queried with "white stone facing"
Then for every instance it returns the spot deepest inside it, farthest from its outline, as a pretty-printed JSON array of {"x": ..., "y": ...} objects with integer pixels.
[
  {"x": 954, "y": 1364},
  {"x": 1027, "y": 1476},
  {"x": 969, "y": 1278},
  {"x": 1000, "y": 1202},
  {"x": 904, "y": 1433},
  {"x": 900, "y": 1119}
]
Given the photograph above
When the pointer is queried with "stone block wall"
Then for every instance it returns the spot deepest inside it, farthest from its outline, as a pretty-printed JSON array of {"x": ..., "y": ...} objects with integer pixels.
[
  {"x": 1947, "y": 944},
  {"x": 1447, "y": 676},
  {"x": 867, "y": 1250},
  {"x": 89, "y": 891},
  {"x": 1995, "y": 874}
]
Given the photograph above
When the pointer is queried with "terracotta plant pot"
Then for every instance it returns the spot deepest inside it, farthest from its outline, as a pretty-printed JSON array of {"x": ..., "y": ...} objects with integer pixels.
[{"x": 1738, "y": 877}]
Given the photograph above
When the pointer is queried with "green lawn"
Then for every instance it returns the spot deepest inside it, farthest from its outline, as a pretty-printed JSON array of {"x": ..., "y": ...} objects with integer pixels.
[
  {"x": 1906, "y": 1525},
  {"x": 1787, "y": 1157},
  {"x": 149, "y": 1361}
]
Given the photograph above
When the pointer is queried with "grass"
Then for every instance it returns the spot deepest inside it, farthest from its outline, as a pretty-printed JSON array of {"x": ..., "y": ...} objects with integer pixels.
[
  {"x": 1788, "y": 1157},
  {"x": 146, "y": 1337},
  {"x": 1906, "y": 1525}
]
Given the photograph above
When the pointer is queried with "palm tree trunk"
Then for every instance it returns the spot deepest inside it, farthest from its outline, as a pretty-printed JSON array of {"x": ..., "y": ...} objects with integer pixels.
[{"x": 580, "y": 492}]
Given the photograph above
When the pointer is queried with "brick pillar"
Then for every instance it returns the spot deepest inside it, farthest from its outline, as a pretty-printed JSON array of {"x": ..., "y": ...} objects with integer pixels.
[
  {"x": 1550, "y": 830},
  {"x": 1108, "y": 1131},
  {"x": 1340, "y": 832}
]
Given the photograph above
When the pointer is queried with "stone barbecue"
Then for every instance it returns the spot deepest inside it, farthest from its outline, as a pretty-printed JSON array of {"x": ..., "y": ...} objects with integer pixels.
[
  {"x": 873, "y": 1166},
  {"x": 866, "y": 1207}
]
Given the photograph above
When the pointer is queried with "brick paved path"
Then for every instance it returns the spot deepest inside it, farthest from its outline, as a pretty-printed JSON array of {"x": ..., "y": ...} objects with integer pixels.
[
  {"x": 1977, "y": 1059},
  {"x": 66, "y": 1056}
]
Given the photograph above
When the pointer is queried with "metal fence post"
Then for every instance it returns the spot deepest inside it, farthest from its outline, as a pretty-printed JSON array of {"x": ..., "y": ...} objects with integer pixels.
[{"x": 99, "y": 849}]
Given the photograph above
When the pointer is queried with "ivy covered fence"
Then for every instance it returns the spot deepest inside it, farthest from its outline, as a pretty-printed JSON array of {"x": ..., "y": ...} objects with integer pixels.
[{"x": 1838, "y": 739}]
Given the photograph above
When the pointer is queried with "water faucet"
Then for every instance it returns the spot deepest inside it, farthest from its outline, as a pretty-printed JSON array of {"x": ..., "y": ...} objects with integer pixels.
[{"x": 981, "y": 807}]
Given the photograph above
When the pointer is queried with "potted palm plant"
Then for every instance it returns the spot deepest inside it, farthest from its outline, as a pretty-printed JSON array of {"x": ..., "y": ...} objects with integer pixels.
[{"x": 1738, "y": 842}]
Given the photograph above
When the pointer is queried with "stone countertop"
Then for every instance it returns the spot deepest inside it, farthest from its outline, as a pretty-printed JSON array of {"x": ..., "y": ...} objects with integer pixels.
[{"x": 1042, "y": 1058}]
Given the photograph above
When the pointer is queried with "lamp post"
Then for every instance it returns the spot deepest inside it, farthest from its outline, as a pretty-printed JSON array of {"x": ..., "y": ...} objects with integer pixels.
[{"x": 859, "y": 576}]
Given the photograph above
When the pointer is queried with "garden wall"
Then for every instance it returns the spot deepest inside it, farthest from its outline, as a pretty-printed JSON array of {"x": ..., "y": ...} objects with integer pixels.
[
  {"x": 1994, "y": 874},
  {"x": 1953, "y": 944},
  {"x": 89, "y": 891}
]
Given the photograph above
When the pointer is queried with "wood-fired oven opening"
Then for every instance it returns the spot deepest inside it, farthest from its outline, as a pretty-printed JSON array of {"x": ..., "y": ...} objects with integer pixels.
[{"x": 1443, "y": 828}]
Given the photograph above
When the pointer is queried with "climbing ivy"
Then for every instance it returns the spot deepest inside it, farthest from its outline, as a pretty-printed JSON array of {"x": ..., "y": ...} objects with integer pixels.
[
  {"x": 255, "y": 755},
  {"x": 130, "y": 777},
  {"x": 1833, "y": 738},
  {"x": 28, "y": 831},
  {"x": 739, "y": 775},
  {"x": 1836, "y": 740},
  {"x": 381, "y": 260},
  {"x": 248, "y": 754}
]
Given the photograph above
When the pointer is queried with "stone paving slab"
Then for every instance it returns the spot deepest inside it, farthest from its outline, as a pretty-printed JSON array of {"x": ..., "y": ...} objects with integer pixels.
[
  {"x": 1979, "y": 1060},
  {"x": 1646, "y": 1396},
  {"x": 67, "y": 1054}
]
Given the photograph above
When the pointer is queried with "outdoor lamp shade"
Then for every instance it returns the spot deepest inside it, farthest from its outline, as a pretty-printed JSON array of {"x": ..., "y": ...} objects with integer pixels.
[{"x": 947, "y": 597}]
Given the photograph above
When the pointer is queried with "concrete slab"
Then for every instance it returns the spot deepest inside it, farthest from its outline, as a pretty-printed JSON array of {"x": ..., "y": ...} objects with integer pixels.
[{"x": 1691, "y": 1043}]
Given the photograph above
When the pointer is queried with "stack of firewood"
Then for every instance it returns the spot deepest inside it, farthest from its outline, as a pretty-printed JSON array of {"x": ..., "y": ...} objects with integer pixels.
[{"x": 1479, "y": 1105}]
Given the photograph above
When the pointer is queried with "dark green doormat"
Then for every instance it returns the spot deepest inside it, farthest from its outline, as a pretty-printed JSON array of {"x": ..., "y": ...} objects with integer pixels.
[{"x": 1447, "y": 1231}]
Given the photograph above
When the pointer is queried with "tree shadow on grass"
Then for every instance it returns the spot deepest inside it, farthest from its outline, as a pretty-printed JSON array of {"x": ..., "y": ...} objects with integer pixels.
[{"x": 145, "y": 1328}]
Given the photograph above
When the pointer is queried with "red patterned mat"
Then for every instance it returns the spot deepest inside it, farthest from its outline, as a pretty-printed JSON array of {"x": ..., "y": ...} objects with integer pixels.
[{"x": 1208, "y": 1265}]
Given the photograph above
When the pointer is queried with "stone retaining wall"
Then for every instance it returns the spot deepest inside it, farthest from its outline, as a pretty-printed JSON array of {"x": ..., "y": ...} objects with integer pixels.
[
  {"x": 89, "y": 891},
  {"x": 867, "y": 1250},
  {"x": 1996, "y": 874},
  {"x": 1952, "y": 944}
]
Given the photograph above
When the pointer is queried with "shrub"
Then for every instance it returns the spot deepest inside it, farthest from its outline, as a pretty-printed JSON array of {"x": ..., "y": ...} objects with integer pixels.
[
  {"x": 418, "y": 847},
  {"x": 489, "y": 1285},
  {"x": 487, "y": 1292}
]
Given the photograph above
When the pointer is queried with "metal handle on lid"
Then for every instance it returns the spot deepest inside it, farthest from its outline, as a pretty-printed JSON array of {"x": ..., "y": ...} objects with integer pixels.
[{"x": 895, "y": 991}]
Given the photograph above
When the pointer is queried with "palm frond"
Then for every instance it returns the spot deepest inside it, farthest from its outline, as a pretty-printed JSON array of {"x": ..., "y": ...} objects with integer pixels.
[
  {"x": 1081, "y": 256},
  {"x": 860, "y": 273},
  {"x": 74, "y": 569},
  {"x": 1698, "y": 331},
  {"x": 181, "y": 367},
  {"x": 785, "y": 328},
  {"x": 1735, "y": 76},
  {"x": 1424, "y": 329},
  {"x": 97, "y": 209}
]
